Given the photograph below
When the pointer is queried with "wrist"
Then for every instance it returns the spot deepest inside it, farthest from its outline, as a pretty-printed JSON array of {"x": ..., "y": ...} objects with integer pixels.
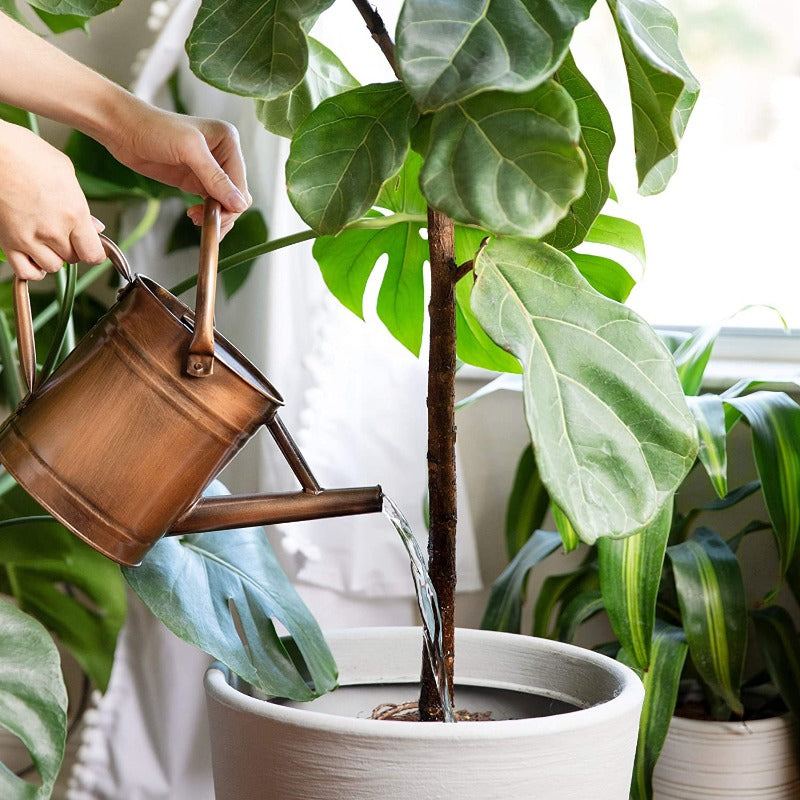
[{"x": 106, "y": 112}]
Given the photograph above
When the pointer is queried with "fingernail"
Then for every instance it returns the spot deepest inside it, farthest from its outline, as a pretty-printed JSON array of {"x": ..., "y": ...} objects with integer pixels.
[
  {"x": 98, "y": 225},
  {"x": 237, "y": 201}
]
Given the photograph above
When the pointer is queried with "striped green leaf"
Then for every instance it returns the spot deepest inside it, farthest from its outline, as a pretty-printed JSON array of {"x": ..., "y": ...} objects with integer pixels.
[
  {"x": 557, "y": 591},
  {"x": 793, "y": 576},
  {"x": 504, "y": 609},
  {"x": 779, "y": 643},
  {"x": 580, "y": 608},
  {"x": 691, "y": 357},
  {"x": 661, "y": 681},
  {"x": 663, "y": 89},
  {"x": 596, "y": 141},
  {"x": 527, "y": 503},
  {"x": 569, "y": 535},
  {"x": 450, "y": 51},
  {"x": 774, "y": 419},
  {"x": 256, "y": 48},
  {"x": 345, "y": 150},
  {"x": 709, "y": 414},
  {"x": 611, "y": 431},
  {"x": 630, "y": 575},
  {"x": 714, "y": 613}
]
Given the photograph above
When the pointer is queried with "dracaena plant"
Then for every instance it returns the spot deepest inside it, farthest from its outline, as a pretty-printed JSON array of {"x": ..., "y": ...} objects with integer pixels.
[
  {"x": 493, "y": 141},
  {"x": 675, "y": 595}
]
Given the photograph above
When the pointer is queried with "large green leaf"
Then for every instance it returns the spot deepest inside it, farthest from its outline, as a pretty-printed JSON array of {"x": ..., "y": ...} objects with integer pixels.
[
  {"x": 70, "y": 588},
  {"x": 345, "y": 150},
  {"x": 509, "y": 163},
  {"x": 256, "y": 48},
  {"x": 775, "y": 422},
  {"x": 620, "y": 233},
  {"x": 596, "y": 141},
  {"x": 630, "y": 576},
  {"x": 709, "y": 414},
  {"x": 33, "y": 701},
  {"x": 504, "y": 609},
  {"x": 326, "y": 76},
  {"x": 448, "y": 51},
  {"x": 604, "y": 275},
  {"x": 779, "y": 643},
  {"x": 612, "y": 434},
  {"x": 79, "y": 8},
  {"x": 714, "y": 612},
  {"x": 527, "y": 503},
  {"x": 200, "y": 586},
  {"x": 663, "y": 89},
  {"x": 661, "y": 680}
]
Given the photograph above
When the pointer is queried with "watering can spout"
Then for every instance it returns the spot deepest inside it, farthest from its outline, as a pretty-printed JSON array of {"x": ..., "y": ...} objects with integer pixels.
[{"x": 220, "y": 513}]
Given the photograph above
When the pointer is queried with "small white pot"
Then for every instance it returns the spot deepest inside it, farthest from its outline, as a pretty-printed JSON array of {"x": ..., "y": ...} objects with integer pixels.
[
  {"x": 266, "y": 751},
  {"x": 732, "y": 760}
]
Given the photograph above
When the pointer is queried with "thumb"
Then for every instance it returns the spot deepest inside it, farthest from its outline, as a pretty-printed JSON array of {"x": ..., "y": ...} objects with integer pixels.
[{"x": 215, "y": 180}]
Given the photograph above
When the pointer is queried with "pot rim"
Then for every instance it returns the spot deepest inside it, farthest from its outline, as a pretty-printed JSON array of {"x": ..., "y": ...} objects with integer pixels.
[
  {"x": 627, "y": 696},
  {"x": 708, "y": 727}
]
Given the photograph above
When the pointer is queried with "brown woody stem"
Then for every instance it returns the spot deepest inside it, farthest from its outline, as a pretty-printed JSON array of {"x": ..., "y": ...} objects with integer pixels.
[{"x": 378, "y": 30}]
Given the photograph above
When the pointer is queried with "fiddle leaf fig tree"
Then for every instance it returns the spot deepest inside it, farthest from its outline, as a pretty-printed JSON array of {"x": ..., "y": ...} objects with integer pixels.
[{"x": 490, "y": 131}]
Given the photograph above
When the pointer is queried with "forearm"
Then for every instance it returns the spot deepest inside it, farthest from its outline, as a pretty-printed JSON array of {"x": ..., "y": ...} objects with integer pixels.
[{"x": 40, "y": 78}]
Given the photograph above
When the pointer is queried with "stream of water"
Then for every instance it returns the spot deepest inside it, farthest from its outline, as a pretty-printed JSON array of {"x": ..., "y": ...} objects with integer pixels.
[{"x": 427, "y": 602}]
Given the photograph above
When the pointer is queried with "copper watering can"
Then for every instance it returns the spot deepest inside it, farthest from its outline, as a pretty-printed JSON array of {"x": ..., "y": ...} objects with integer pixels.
[{"x": 119, "y": 443}]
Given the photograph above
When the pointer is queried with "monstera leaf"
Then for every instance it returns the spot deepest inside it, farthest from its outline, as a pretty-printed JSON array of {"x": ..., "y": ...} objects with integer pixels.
[
  {"x": 611, "y": 431},
  {"x": 33, "y": 701},
  {"x": 449, "y": 51},
  {"x": 663, "y": 89},
  {"x": 205, "y": 586}
]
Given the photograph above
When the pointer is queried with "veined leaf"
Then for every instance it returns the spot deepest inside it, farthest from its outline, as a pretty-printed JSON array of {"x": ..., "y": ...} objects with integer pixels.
[
  {"x": 61, "y": 23},
  {"x": 620, "y": 233},
  {"x": 450, "y": 51},
  {"x": 504, "y": 609},
  {"x": 558, "y": 590},
  {"x": 569, "y": 536},
  {"x": 80, "y": 8},
  {"x": 578, "y": 610},
  {"x": 714, "y": 612},
  {"x": 509, "y": 163},
  {"x": 663, "y": 89},
  {"x": 256, "y": 48},
  {"x": 33, "y": 701},
  {"x": 527, "y": 503},
  {"x": 630, "y": 575},
  {"x": 604, "y": 275},
  {"x": 345, "y": 150},
  {"x": 661, "y": 681},
  {"x": 709, "y": 414},
  {"x": 609, "y": 424},
  {"x": 779, "y": 642},
  {"x": 774, "y": 419},
  {"x": 325, "y": 77},
  {"x": 596, "y": 141},
  {"x": 691, "y": 358},
  {"x": 201, "y": 585}
]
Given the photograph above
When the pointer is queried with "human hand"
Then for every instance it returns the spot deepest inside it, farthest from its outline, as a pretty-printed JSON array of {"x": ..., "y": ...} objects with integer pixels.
[
  {"x": 200, "y": 156},
  {"x": 44, "y": 216}
]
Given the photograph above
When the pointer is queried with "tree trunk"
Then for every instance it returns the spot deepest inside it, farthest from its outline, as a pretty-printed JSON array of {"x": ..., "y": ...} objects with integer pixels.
[{"x": 441, "y": 448}]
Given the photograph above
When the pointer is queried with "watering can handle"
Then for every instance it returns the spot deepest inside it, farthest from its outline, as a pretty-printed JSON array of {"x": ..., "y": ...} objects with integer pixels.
[
  {"x": 24, "y": 319},
  {"x": 200, "y": 358}
]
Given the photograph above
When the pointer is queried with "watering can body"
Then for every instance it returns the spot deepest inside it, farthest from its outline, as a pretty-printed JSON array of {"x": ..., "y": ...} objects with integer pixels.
[{"x": 120, "y": 442}]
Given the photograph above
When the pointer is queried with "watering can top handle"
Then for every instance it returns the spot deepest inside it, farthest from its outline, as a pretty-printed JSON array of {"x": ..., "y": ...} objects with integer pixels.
[{"x": 24, "y": 319}]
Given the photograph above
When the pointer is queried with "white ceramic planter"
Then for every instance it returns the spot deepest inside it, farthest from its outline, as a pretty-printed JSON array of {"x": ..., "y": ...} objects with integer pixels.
[
  {"x": 729, "y": 760},
  {"x": 266, "y": 751}
]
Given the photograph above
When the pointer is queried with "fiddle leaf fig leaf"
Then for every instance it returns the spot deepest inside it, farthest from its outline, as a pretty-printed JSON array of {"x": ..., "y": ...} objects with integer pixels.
[
  {"x": 61, "y": 23},
  {"x": 630, "y": 575},
  {"x": 345, "y": 150},
  {"x": 774, "y": 419},
  {"x": 661, "y": 682},
  {"x": 663, "y": 89},
  {"x": 714, "y": 612},
  {"x": 33, "y": 701},
  {"x": 596, "y": 141},
  {"x": 504, "y": 609},
  {"x": 256, "y": 48},
  {"x": 709, "y": 414},
  {"x": 609, "y": 424},
  {"x": 206, "y": 585},
  {"x": 604, "y": 274},
  {"x": 78, "y": 8},
  {"x": 620, "y": 233},
  {"x": 508, "y": 163},
  {"x": 326, "y": 76},
  {"x": 449, "y": 51}
]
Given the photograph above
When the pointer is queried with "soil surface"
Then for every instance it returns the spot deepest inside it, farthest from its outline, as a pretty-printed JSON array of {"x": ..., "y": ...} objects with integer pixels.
[{"x": 409, "y": 712}]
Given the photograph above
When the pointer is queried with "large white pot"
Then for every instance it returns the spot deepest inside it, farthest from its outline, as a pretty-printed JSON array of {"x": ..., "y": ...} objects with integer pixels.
[
  {"x": 757, "y": 760},
  {"x": 266, "y": 751}
]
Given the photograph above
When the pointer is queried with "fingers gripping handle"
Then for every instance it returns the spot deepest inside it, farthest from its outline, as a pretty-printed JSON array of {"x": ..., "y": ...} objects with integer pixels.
[
  {"x": 23, "y": 318},
  {"x": 200, "y": 358}
]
